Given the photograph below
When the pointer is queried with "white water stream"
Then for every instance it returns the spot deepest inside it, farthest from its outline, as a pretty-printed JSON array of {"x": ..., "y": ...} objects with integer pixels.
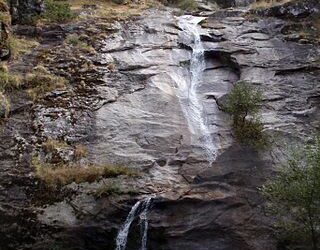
[
  {"x": 194, "y": 113},
  {"x": 140, "y": 209},
  {"x": 187, "y": 90}
]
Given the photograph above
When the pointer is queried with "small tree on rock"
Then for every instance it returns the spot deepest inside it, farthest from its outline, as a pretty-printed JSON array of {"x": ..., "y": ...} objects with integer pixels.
[{"x": 243, "y": 101}]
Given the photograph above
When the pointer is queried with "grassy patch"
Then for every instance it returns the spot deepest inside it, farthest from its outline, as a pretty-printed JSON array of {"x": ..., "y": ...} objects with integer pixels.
[
  {"x": 57, "y": 11},
  {"x": 110, "y": 11},
  {"x": 80, "y": 152},
  {"x": 60, "y": 175},
  {"x": 8, "y": 81},
  {"x": 182, "y": 4},
  {"x": 112, "y": 189},
  {"x": 42, "y": 81},
  {"x": 77, "y": 42},
  {"x": 51, "y": 145},
  {"x": 20, "y": 46}
]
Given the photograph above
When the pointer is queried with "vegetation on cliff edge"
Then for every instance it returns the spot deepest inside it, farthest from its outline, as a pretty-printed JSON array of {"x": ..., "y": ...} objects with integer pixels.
[{"x": 294, "y": 197}]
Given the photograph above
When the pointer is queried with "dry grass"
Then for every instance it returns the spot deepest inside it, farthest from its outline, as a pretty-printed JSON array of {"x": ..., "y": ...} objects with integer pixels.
[
  {"x": 4, "y": 104},
  {"x": 8, "y": 81},
  {"x": 51, "y": 145},
  {"x": 112, "y": 10},
  {"x": 59, "y": 175},
  {"x": 112, "y": 188},
  {"x": 80, "y": 152},
  {"x": 21, "y": 46},
  {"x": 76, "y": 41},
  {"x": 261, "y": 4},
  {"x": 42, "y": 81}
]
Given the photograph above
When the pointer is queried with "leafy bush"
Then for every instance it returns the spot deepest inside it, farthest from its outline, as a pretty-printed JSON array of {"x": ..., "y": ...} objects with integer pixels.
[
  {"x": 56, "y": 12},
  {"x": 250, "y": 132},
  {"x": 294, "y": 196},
  {"x": 243, "y": 101}
]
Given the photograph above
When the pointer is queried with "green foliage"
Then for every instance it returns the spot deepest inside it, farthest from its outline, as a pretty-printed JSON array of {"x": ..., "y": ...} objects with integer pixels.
[
  {"x": 294, "y": 196},
  {"x": 56, "y": 12},
  {"x": 243, "y": 101},
  {"x": 250, "y": 132},
  {"x": 32, "y": 20}
]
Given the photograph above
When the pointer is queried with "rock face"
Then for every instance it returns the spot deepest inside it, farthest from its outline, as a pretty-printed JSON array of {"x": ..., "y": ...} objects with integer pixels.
[
  {"x": 5, "y": 25},
  {"x": 23, "y": 10},
  {"x": 294, "y": 9},
  {"x": 233, "y": 3},
  {"x": 127, "y": 105}
]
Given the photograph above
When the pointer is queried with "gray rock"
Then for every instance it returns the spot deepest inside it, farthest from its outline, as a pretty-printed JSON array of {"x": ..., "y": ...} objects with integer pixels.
[{"x": 22, "y": 10}]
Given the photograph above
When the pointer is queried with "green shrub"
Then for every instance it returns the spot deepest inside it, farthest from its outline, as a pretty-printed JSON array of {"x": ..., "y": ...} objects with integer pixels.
[
  {"x": 243, "y": 101},
  {"x": 294, "y": 196},
  {"x": 56, "y": 12},
  {"x": 250, "y": 132}
]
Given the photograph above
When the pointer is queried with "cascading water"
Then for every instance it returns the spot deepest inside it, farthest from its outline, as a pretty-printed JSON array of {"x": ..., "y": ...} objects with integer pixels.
[
  {"x": 187, "y": 93},
  {"x": 144, "y": 223},
  {"x": 141, "y": 208}
]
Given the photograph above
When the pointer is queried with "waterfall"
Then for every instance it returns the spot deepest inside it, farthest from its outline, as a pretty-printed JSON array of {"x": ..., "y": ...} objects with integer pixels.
[
  {"x": 140, "y": 209},
  {"x": 144, "y": 223},
  {"x": 189, "y": 99}
]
